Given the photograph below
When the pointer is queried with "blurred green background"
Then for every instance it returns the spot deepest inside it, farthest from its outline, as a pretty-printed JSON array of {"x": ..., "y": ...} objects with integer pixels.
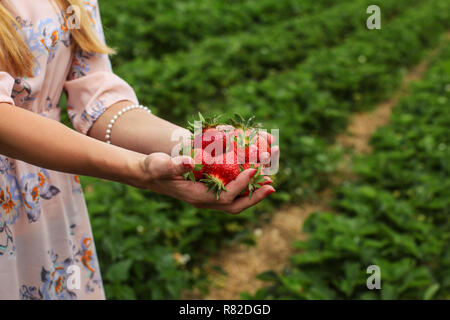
[{"x": 303, "y": 66}]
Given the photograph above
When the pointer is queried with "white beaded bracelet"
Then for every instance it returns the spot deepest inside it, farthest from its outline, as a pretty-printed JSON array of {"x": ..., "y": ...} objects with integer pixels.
[{"x": 121, "y": 112}]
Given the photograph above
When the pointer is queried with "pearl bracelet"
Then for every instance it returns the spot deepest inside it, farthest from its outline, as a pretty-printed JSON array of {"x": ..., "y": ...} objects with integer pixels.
[{"x": 122, "y": 111}]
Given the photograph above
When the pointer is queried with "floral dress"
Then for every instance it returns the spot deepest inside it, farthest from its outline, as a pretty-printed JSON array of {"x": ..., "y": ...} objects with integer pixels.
[{"x": 47, "y": 249}]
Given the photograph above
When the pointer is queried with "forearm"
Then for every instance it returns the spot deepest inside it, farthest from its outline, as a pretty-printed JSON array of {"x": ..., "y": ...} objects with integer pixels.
[
  {"x": 49, "y": 144},
  {"x": 136, "y": 130}
]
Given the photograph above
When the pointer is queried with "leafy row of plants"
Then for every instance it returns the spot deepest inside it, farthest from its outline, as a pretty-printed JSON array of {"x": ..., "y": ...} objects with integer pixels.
[
  {"x": 182, "y": 82},
  {"x": 168, "y": 26},
  {"x": 312, "y": 102},
  {"x": 152, "y": 246},
  {"x": 395, "y": 215}
]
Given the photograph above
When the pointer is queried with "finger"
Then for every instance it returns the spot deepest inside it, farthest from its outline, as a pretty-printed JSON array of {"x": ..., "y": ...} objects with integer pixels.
[
  {"x": 161, "y": 165},
  {"x": 243, "y": 203},
  {"x": 267, "y": 181},
  {"x": 181, "y": 165},
  {"x": 275, "y": 151},
  {"x": 198, "y": 193},
  {"x": 235, "y": 187},
  {"x": 195, "y": 193},
  {"x": 273, "y": 166},
  {"x": 183, "y": 148},
  {"x": 265, "y": 158}
]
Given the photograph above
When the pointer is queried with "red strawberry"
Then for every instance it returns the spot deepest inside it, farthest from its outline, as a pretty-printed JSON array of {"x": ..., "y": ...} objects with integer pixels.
[
  {"x": 240, "y": 143},
  {"x": 262, "y": 145},
  {"x": 245, "y": 145},
  {"x": 219, "y": 171},
  {"x": 197, "y": 154},
  {"x": 211, "y": 133},
  {"x": 197, "y": 173},
  {"x": 250, "y": 148}
]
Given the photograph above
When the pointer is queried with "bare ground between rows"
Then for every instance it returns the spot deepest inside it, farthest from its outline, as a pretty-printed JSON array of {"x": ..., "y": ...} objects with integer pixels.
[{"x": 243, "y": 263}]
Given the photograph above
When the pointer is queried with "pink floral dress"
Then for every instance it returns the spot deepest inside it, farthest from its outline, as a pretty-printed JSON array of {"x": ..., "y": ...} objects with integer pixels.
[{"x": 47, "y": 249}]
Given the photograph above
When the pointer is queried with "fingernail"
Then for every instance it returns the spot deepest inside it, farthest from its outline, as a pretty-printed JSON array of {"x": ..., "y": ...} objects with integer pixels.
[
  {"x": 270, "y": 191},
  {"x": 253, "y": 173}
]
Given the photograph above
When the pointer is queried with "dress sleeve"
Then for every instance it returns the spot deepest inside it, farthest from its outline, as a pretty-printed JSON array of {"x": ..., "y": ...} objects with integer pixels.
[
  {"x": 6, "y": 87},
  {"x": 91, "y": 85}
]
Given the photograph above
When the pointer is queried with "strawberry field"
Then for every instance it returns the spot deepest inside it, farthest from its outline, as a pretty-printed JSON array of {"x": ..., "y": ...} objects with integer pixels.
[
  {"x": 304, "y": 67},
  {"x": 395, "y": 215}
]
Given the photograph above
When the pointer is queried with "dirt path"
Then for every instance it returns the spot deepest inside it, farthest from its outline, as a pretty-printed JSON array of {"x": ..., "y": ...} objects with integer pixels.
[
  {"x": 363, "y": 125},
  {"x": 273, "y": 248}
]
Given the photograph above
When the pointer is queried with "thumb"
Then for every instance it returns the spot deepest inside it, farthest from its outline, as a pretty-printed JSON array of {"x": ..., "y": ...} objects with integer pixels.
[
  {"x": 161, "y": 165},
  {"x": 180, "y": 165}
]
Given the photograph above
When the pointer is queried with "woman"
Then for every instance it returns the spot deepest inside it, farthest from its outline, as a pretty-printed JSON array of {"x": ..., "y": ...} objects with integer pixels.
[{"x": 45, "y": 236}]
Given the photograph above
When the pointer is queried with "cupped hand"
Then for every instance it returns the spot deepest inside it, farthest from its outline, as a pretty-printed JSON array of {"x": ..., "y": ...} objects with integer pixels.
[{"x": 164, "y": 174}]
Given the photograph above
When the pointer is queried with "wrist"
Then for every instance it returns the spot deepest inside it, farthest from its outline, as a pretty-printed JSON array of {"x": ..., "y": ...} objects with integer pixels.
[
  {"x": 136, "y": 173},
  {"x": 119, "y": 164}
]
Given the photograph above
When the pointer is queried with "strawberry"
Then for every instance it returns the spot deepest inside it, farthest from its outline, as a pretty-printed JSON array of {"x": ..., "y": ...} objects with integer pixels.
[
  {"x": 250, "y": 148},
  {"x": 199, "y": 164},
  {"x": 210, "y": 134},
  {"x": 197, "y": 173},
  {"x": 219, "y": 171},
  {"x": 248, "y": 142},
  {"x": 262, "y": 145},
  {"x": 216, "y": 170}
]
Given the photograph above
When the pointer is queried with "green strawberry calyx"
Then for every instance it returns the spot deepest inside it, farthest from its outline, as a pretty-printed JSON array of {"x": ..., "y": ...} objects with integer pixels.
[
  {"x": 255, "y": 182},
  {"x": 190, "y": 175},
  {"x": 214, "y": 184}
]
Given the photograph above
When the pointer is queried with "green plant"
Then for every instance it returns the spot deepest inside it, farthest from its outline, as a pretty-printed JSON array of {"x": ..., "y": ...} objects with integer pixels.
[
  {"x": 394, "y": 216},
  {"x": 160, "y": 27}
]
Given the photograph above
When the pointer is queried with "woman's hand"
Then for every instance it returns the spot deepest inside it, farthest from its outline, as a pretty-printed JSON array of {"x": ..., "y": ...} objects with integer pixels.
[{"x": 164, "y": 174}]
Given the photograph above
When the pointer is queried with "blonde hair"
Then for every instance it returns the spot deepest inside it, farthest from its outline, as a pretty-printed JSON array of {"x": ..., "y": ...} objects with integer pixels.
[{"x": 17, "y": 59}]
